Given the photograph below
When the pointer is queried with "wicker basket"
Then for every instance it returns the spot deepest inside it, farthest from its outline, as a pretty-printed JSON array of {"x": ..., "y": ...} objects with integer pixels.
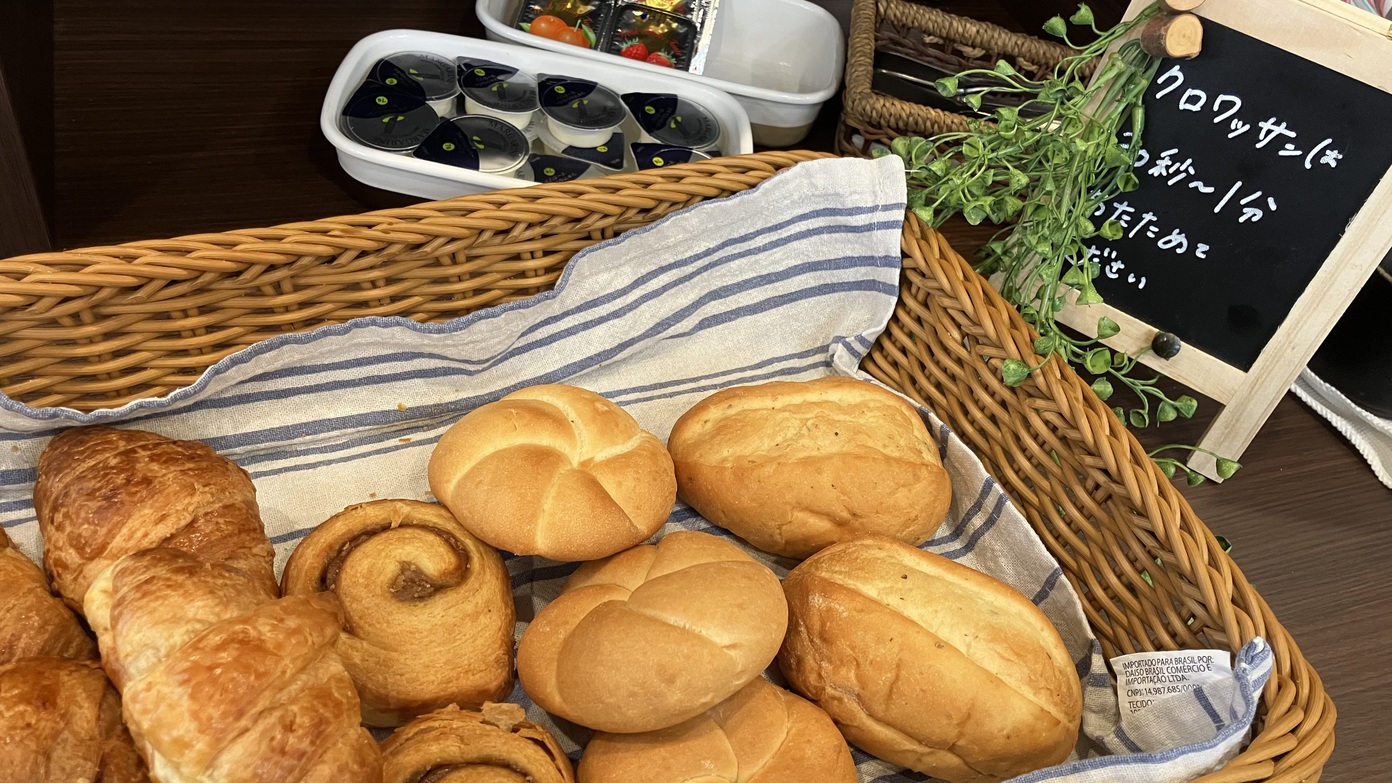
[
  {"x": 97, "y": 327},
  {"x": 929, "y": 35}
]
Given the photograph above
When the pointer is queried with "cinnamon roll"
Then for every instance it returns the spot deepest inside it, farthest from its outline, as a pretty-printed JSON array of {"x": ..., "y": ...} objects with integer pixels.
[
  {"x": 495, "y": 745},
  {"x": 428, "y": 607}
]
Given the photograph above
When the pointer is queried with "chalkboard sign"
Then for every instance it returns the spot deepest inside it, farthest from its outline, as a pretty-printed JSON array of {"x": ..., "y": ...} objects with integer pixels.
[
  {"x": 1252, "y": 163},
  {"x": 1265, "y": 166}
]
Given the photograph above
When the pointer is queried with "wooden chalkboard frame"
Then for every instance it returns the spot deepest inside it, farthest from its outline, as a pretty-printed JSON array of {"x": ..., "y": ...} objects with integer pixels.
[{"x": 1358, "y": 45}]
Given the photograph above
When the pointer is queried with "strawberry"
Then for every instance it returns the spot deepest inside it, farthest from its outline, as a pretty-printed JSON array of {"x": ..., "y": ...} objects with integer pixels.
[
  {"x": 660, "y": 58},
  {"x": 633, "y": 49}
]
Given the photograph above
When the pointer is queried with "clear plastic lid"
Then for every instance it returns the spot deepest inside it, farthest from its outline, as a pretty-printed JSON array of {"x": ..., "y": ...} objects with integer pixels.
[
  {"x": 496, "y": 86},
  {"x": 388, "y": 119},
  {"x": 434, "y": 75},
  {"x": 484, "y": 144},
  {"x": 580, "y": 103}
]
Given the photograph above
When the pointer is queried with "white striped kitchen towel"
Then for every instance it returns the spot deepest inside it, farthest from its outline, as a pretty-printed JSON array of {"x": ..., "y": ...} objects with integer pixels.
[{"x": 792, "y": 280}]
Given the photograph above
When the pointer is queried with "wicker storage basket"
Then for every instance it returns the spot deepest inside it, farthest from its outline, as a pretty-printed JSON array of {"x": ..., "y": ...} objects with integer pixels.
[
  {"x": 929, "y": 35},
  {"x": 96, "y": 327}
]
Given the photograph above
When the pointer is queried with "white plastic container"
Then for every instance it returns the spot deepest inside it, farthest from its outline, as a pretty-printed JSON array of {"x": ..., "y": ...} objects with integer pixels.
[
  {"x": 405, "y": 174},
  {"x": 781, "y": 59}
]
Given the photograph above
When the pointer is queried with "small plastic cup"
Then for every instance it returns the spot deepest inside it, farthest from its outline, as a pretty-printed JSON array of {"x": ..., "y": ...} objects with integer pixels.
[
  {"x": 433, "y": 76},
  {"x": 555, "y": 168},
  {"x": 497, "y": 90},
  {"x": 484, "y": 144},
  {"x": 579, "y": 112},
  {"x": 387, "y": 119},
  {"x": 665, "y": 118}
]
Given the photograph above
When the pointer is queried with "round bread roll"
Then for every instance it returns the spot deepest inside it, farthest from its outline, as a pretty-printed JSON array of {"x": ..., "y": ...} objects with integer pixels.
[
  {"x": 929, "y": 664},
  {"x": 555, "y": 471},
  {"x": 428, "y": 613},
  {"x": 792, "y": 467},
  {"x": 762, "y": 734},
  {"x": 654, "y": 636},
  {"x": 495, "y": 745}
]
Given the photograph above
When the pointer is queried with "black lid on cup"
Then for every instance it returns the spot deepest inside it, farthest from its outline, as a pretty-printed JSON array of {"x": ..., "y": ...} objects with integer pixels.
[
  {"x": 673, "y": 120},
  {"x": 475, "y": 142},
  {"x": 434, "y": 76},
  {"x": 580, "y": 103},
  {"x": 556, "y": 168},
  {"x": 498, "y": 87},
  {"x": 609, "y": 155},
  {"x": 386, "y": 118},
  {"x": 656, "y": 156}
]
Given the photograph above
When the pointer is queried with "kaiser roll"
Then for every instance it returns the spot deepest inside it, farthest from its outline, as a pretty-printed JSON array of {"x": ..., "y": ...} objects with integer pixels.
[
  {"x": 762, "y": 734},
  {"x": 653, "y": 636},
  {"x": 792, "y": 467},
  {"x": 555, "y": 471},
  {"x": 929, "y": 664}
]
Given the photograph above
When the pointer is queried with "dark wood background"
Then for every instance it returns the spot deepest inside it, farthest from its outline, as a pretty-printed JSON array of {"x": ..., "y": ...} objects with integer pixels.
[{"x": 163, "y": 117}]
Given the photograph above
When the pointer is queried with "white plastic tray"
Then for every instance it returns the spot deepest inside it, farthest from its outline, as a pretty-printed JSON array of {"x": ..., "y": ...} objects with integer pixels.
[
  {"x": 405, "y": 174},
  {"x": 781, "y": 59}
]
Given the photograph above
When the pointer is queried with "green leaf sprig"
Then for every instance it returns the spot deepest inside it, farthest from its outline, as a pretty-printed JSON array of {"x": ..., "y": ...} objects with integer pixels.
[{"x": 1046, "y": 172}]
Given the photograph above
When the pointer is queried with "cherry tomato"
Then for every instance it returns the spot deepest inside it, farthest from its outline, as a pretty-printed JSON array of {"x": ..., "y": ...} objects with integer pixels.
[
  {"x": 571, "y": 35},
  {"x": 548, "y": 26}
]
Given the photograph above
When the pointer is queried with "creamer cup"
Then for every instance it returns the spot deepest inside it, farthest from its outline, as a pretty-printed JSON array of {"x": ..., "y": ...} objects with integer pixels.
[
  {"x": 497, "y": 90},
  {"x": 385, "y": 118},
  {"x": 484, "y": 144},
  {"x": 579, "y": 112},
  {"x": 434, "y": 76}
]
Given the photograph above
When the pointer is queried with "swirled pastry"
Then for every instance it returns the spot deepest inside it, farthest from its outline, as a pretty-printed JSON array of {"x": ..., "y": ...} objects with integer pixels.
[
  {"x": 555, "y": 471},
  {"x": 655, "y": 635},
  {"x": 427, "y": 607},
  {"x": 496, "y": 745}
]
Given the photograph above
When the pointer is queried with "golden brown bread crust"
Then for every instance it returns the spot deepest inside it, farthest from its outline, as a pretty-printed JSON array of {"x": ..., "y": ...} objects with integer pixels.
[
  {"x": 654, "y": 635},
  {"x": 60, "y": 722},
  {"x": 794, "y": 466},
  {"x": 496, "y": 745},
  {"x": 762, "y": 734},
  {"x": 33, "y": 622},
  {"x": 223, "y": 683},
  {"x": 929, "y": 664},
  {"x": 428, "y": 612},
  {"x": 555, "y": 471},
  {"x": 103, "y": 493}
]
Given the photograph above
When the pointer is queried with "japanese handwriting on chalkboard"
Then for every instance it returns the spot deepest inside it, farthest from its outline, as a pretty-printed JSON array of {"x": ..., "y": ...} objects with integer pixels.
[
  {"x": 1173, "y": 171},
  {"x": 1147, "y": 228},
  {"x": 1225, "y": 106},
  {"x": 1112, "y": 266}
]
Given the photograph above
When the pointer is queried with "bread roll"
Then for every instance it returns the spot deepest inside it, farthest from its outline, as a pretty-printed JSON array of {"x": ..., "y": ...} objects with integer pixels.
[
  {"x": 103, "y": 493},
  {"x": 496, "y": 745},
  {"x": 792, "y": 467},
  {"x": 221, "y": 682},
  {"x": 653, "y": 636},
  {"x": 555, "y": 471},
  {"x": 32, "y": 621},
  {"x": 428, "y": 614},
  {"x": 929, "y": 664},
  {"x": 60, "y": 722},
  {"x": 762, "y": 734}
]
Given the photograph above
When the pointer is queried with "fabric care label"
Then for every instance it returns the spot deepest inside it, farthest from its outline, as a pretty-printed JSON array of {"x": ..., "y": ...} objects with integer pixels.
[{"x": 1147, "y": 679}]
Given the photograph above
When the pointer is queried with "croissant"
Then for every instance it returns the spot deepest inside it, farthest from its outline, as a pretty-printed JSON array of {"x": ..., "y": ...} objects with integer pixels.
[
  {"x": 222, "y": 683},
  {"x": 160, "y": 543},
  {"x": 428, "y": 607},
  {"x": 60, "y": 722},
  {"x": 104, "y": 493},
  {"x": 495, "y": 745},
  {"x": 32, "y": 621}
]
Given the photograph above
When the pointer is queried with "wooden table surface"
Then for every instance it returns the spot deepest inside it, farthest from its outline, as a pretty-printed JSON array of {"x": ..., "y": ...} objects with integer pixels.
[{"x": 178, "y": 117}]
